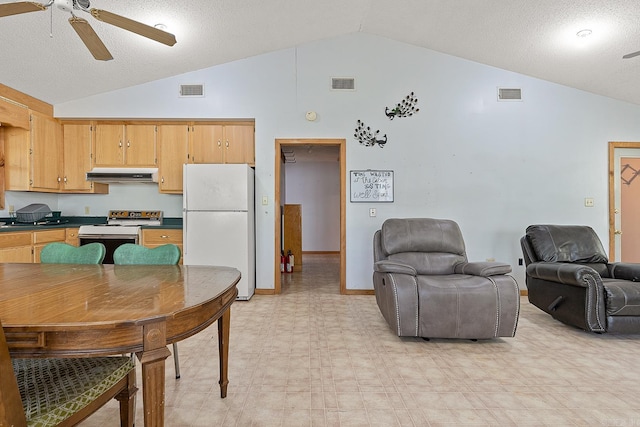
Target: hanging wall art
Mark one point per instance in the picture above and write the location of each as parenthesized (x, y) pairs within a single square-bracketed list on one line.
[(405, 108), (368, 138)]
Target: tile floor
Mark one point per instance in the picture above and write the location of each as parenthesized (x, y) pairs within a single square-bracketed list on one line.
[(311, 357)]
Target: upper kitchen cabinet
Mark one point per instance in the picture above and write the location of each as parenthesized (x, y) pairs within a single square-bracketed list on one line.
[(46, 153), (77, 143), (118, 145), (17, 162), (222, 143), (172, 155)]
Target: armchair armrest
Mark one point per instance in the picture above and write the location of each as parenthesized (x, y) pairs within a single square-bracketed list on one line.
[(394, 267), (484, 269), (624, 271), (565, 273)]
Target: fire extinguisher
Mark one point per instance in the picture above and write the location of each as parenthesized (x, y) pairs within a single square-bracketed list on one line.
[(288, 268), (282, 261)]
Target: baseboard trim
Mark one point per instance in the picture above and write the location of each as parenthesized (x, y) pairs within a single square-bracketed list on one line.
[(524, 292), (359, 292), (265, 291), (321, 252)]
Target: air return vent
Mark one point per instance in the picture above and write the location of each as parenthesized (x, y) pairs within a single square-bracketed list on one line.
[(192, 90), (509, 94), (343, 83)]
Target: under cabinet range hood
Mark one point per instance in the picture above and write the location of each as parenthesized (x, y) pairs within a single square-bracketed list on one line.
[(123, 175)]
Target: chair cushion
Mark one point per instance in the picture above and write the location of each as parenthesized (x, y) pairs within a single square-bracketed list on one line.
[(566, 243), (622, 297), (421, 235), (52, 390)]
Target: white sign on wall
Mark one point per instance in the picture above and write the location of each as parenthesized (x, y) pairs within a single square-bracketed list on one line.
[(371, 186)]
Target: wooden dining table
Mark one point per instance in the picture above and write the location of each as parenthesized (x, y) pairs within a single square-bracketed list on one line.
[(68, 310)]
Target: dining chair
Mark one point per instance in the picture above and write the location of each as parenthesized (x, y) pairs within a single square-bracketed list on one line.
[(63, 392), (63, 253), (132, 254)]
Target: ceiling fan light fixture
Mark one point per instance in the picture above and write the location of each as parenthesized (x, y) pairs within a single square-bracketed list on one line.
[(584, 33), (161, 27)]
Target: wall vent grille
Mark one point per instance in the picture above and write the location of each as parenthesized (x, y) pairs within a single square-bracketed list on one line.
[(509, 94), (343, 83), (192, 90)]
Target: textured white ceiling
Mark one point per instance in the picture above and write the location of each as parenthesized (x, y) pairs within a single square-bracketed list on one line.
[(536, 38)]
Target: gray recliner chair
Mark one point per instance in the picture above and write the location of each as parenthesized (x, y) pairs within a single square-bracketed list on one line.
[(425, 287), (570, 277)]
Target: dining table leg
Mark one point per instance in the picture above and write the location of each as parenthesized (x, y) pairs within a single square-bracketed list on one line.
[(223, 349), (152, 358)]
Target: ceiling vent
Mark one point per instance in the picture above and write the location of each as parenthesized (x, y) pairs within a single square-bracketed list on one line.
[(509, 94), (192, 90), (343, 83)]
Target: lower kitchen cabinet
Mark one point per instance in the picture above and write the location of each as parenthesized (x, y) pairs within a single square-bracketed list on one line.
[(71, 236), (43, 238), (16, 247), (25, 246), (153, 238)]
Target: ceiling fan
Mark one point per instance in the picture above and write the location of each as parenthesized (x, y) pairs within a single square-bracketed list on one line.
[(631, 55), (82, 27)]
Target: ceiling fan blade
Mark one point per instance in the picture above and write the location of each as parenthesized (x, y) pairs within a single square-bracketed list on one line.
[(134, 26), (8, 9), (631, 55), (90, 39)]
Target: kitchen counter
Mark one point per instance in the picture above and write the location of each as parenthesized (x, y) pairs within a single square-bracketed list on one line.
[(77, 221)]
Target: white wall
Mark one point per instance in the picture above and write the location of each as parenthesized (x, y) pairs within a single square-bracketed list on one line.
[(494, 167), (316, 186)]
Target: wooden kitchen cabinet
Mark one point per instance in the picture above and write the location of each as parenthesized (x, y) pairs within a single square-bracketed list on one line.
[(43, 238), (122, 145), (77, 140), (46, 153), (17, 162), (152, 238), (16, 247), (172, 145), (222, 143), (71, 236)]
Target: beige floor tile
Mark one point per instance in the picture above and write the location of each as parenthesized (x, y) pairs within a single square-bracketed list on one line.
[(313, 357)]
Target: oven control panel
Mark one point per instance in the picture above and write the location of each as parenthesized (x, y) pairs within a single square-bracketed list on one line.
[(135, 218), (139, 215)]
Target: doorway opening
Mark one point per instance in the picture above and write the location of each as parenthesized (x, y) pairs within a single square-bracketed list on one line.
[(282, 147)]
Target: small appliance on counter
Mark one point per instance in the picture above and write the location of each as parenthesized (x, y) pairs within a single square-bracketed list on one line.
[(32, 213)]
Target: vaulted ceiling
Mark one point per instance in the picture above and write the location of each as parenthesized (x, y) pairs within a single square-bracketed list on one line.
[(42, 56)]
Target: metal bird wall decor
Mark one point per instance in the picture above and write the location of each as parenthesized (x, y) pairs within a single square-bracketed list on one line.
[(405, 108), (367, 137)]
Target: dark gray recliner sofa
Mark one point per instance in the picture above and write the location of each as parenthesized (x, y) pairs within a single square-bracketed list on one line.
[(425, 287), (570, 277)]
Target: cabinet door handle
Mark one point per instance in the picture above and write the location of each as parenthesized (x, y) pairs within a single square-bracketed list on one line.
[(128, 143), (227, 143), (164, 236), (120, 144), (219, 143)]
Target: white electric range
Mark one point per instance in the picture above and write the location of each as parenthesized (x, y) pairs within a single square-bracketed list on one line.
[(121, 227)]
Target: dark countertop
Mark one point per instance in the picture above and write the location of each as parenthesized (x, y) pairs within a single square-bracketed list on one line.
[(77, 221)]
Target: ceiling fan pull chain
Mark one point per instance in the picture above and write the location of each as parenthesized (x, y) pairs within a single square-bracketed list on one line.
[(51, 23)]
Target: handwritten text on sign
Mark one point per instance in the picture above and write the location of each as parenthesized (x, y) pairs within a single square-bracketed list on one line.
[(372, 186)]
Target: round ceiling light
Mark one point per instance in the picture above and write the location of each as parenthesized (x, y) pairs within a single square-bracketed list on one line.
[(584, 33)]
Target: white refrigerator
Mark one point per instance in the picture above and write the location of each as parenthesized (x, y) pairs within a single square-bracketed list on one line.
[(219, 220)]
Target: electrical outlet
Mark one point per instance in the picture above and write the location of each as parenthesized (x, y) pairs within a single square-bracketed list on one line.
[(588, 202), (87, 210), (372, 212), (265, 200)]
